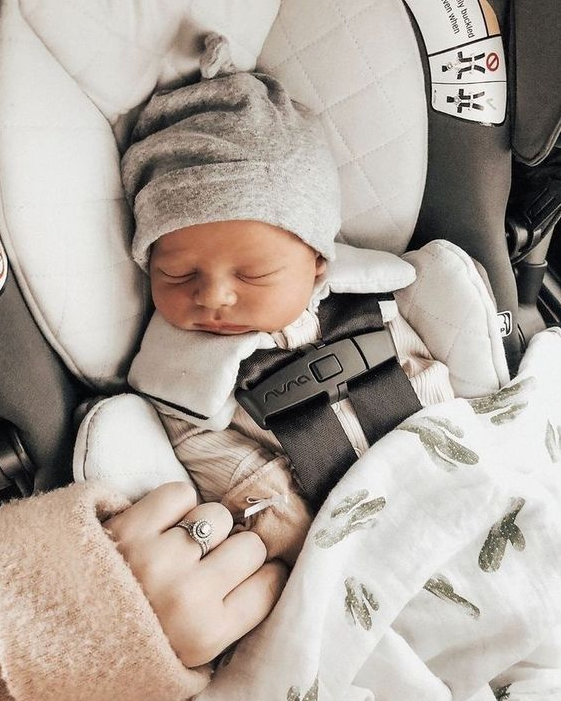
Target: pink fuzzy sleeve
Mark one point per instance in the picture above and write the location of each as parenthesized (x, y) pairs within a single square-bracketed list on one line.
[(74, 623), (4, 694)]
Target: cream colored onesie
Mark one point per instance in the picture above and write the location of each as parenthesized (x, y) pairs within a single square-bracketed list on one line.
[(244, 466)]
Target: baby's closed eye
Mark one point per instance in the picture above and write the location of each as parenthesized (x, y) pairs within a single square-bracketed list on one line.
[(254, 275), (176, 276)]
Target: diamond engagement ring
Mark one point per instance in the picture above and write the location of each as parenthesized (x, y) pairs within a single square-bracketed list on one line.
[(200, 531)]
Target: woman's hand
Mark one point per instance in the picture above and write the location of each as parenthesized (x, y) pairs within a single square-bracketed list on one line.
[(203, 604)]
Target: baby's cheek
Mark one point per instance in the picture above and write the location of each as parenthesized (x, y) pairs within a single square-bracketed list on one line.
[(172, 305), (287, 307)]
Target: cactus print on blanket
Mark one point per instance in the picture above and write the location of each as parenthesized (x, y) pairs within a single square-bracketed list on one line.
[(505, 530), (506, 404), (440, 586), (358, 603), (435, 435), (310, 695), (359, 516), (553, 441)]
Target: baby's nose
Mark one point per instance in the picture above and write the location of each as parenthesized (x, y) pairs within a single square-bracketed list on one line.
[(215, 294)]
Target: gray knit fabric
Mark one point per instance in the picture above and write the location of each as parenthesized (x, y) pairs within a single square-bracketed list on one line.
[(233, 146)]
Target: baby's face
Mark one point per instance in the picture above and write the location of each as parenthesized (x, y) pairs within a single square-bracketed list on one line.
[(232, 277)]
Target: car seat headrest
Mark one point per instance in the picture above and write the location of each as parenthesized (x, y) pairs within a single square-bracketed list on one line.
[(357, 65), (65, 224)]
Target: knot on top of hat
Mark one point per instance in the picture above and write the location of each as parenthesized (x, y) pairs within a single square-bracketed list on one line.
[(216, 59)]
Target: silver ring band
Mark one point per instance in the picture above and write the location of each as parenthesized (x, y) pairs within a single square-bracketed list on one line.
[(200, 531)]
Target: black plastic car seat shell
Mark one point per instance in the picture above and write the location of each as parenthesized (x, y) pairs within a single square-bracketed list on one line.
[(536, 49), (467, 190), (37, 394)]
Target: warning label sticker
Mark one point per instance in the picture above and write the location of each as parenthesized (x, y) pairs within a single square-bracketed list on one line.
[(476, 102), (480, 62), (466, 58), (446, 23)]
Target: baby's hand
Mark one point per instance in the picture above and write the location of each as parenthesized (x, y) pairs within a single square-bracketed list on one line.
[(203, 604), (284, 522)]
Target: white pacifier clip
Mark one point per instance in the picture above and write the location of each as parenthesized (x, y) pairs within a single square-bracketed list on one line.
[(260, 504)]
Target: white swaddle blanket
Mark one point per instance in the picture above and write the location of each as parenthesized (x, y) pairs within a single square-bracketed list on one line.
[(433, 568)]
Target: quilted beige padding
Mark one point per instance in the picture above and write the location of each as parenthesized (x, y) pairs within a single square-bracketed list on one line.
[(63, 219), (356, 63), (450, 308), (118, 51), (69, 68)]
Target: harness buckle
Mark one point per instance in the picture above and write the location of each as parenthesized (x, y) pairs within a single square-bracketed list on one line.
[(319, 369)]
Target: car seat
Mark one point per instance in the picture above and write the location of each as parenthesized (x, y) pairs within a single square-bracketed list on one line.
[(73, 305)]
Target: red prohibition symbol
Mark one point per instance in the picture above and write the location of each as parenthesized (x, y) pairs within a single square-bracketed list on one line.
[(492, 61)]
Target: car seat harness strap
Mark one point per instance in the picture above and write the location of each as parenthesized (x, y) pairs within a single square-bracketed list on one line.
[(290, 391)]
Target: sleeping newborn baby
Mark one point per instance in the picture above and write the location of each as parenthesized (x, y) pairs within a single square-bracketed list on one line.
[(236, 202)]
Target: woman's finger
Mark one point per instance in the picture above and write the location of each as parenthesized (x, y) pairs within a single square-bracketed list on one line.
[(212, 517), (251, 601), (155, 512), (237, 558)]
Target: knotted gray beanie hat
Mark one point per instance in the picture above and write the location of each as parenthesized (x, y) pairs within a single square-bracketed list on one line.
[(232, 146)]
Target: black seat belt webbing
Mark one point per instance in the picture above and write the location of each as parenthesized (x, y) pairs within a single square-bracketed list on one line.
[(290, 392), (310, 433), (365, 315), (317, 446), (383, 397), (393, 402)]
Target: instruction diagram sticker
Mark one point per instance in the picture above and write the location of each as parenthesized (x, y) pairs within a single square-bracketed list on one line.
[(448, 23), (477, 102), (466, 58), (480, 62)]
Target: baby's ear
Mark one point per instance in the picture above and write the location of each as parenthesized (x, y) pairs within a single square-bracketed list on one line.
[(321, 265)]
